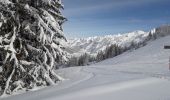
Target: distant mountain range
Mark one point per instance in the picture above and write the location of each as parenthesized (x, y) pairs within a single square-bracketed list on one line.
[(93, 45)]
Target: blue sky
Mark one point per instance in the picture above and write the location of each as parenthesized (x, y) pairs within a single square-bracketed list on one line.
[(101, 17)]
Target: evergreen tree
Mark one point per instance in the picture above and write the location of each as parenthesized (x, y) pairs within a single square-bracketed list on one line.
[(100, 56), (110, 51), (73, 61), (83, 60), (150, 36), (31, 38)]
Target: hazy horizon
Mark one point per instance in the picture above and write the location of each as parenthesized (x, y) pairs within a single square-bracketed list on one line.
[(98, 17)]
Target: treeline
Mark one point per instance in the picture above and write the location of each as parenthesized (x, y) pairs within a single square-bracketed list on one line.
[(115, 50), (110, 52)]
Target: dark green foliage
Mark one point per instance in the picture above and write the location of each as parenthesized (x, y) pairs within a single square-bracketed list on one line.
[(109, 52), (30, 47)]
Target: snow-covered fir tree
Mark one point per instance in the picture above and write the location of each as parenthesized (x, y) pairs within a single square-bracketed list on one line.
[(31, 43)]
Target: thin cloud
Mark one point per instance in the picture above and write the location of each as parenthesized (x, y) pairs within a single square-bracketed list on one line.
[(107, 4), (160, 20)]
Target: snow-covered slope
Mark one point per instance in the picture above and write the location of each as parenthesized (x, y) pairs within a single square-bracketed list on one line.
[(142, 74), (93, 45)]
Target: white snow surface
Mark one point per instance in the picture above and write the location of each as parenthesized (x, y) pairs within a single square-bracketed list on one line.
[(93, 45), (142, 74)]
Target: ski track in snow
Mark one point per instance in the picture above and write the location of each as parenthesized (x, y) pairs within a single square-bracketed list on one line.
[(138, 75), (156, 75)]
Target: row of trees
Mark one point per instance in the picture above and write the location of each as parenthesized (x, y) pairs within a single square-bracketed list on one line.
[(110, 52), (81, 60), (85, 59)]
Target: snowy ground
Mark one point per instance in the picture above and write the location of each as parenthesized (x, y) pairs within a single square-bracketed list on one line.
[(139, 75)]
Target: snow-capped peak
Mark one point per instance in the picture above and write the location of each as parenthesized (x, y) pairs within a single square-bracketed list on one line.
[(93, 45)]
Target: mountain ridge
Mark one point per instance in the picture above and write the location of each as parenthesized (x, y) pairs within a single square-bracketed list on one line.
[(93, 45)]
